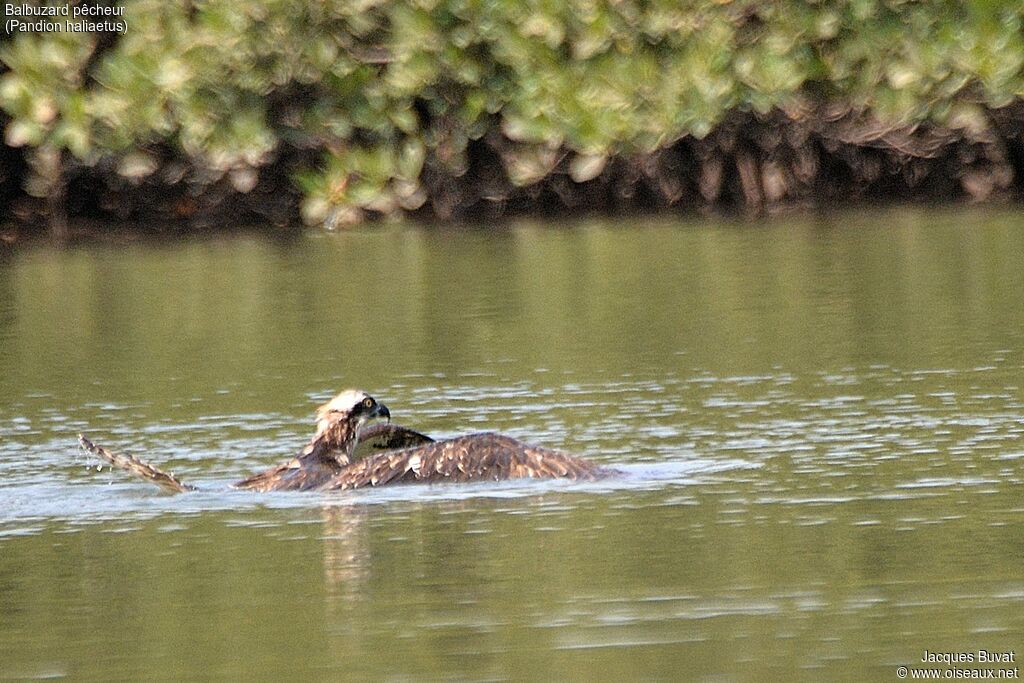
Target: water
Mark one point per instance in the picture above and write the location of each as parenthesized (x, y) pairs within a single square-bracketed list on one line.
[(820, 421)]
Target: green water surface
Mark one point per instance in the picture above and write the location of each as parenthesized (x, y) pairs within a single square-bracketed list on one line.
[(820, 420)]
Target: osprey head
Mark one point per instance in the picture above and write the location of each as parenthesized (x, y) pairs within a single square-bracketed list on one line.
[(352, 406)]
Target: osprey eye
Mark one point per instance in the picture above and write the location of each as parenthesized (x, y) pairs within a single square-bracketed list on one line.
[(368, 402)]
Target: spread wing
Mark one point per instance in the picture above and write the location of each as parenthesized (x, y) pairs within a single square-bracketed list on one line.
[(301, 473), (316, 464), (474, 457)]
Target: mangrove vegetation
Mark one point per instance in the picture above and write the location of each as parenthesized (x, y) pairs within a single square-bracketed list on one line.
[(336, 112)]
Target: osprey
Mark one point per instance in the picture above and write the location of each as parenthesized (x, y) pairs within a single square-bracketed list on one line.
[(344, 453)]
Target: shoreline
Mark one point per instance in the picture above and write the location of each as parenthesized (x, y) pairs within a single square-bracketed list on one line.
[(79, 232)]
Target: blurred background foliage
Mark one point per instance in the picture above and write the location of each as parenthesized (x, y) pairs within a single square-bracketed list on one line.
[(344, 110)]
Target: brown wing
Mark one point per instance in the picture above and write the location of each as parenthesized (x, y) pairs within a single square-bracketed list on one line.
[(475, 457), (311, 468), (298, 474)]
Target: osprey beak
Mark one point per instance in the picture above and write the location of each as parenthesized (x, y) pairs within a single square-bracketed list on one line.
[(382, 411)]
